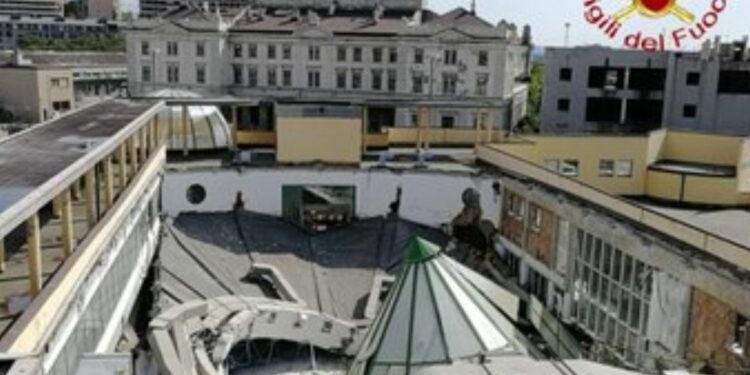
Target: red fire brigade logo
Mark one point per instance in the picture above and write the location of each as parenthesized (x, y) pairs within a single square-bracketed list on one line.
[(656, 9), (695, 23)]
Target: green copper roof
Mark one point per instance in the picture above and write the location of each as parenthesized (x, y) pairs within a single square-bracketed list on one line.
[(421, 250)]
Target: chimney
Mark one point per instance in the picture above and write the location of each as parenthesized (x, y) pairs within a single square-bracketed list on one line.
[(474, 7)]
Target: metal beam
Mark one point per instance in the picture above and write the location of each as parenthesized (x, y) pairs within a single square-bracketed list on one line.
[(34, 251), (68, 239)]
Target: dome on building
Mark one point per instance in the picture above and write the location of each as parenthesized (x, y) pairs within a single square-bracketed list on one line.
[(207, 129), (434, 317)]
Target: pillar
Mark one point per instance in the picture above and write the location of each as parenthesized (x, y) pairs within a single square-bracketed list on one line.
[(365, 118), (477, 130), (184, 130), (109, 190), (56, 206), (34, 251), (66, 217), (2, 254), (91, 197), (426, 124), (132, 156), (123, 172), (234, 123), (142, 155), (75, 190), (490, 125)]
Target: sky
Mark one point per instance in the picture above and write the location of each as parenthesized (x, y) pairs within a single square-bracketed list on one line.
[(548, 17)]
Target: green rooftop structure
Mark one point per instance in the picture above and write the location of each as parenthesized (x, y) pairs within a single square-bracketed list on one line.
[(435, 316)]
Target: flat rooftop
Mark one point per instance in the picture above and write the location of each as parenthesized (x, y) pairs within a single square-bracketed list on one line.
[(31, 158), (729, 223)]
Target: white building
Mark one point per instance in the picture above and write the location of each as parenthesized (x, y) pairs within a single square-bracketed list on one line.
[(598, 89), (359, 53)]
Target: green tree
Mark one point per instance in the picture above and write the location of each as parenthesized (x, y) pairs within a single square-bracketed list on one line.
[(531, 122), (100, 43)]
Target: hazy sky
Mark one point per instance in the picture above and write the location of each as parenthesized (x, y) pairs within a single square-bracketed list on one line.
[(548, 17)]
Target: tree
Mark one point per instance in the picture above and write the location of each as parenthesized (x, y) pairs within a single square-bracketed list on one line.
[(100, 43), (531, 122)]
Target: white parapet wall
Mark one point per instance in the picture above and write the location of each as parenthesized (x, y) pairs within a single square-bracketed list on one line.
[(428, 197)]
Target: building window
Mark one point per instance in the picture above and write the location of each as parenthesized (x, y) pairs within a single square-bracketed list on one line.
[(271, 52), (535, 217), (357, 54), (552, 165), (624, 168), (145, 48), (482, 81), (237, 71), (377, 55), (146, 73), (172, 49), (313, 78), (447, 121), (689, 111), (286, 52), (612, 295), (450, 57), (238, 50), (313, 54), (356, 79), (693, 79), (515, 206), (287, 76), (419, 56), (252, 51), (59, 82), (341, 54), (450, 82), (392, 77), (252, 76), (377, 79), (393, 55), (341, 78), (271, 76), (417, 82), (200, 49), (200, 73), (606, 168), (484, 58), (173, 73), (569, 168), (563, 105), (566, 74)]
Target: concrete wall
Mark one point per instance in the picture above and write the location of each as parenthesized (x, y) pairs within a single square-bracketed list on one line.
[(332, 140), (429, 198), (589, 151), (28, 92), (702, 148)]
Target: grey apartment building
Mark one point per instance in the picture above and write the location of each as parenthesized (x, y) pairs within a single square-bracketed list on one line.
[(394, 51), (601, 90)]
